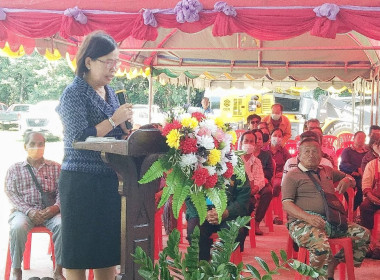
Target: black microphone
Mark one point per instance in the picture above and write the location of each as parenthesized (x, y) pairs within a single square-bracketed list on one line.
[(120, 93)]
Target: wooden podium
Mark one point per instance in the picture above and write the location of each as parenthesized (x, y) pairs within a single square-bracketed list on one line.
[(130, 159)]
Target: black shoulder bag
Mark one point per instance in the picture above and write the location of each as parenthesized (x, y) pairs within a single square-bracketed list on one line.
[(336, 216), (48, 198)]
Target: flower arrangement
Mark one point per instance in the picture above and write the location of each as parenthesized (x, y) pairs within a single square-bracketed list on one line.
[(199, 163)]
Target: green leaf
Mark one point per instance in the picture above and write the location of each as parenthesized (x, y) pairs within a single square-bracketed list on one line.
[(275, 259), (239, 171), (176, 177), (217, 197), (262, 263), (166, 192), (155, 171), (191, 259), (284, 256), (179, 196), (267, 277), (255, 273), (199, 201), (172, 249)]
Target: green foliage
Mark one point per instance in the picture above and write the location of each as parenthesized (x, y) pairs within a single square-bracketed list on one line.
[(199, 201), (173, 265), (32, 78), (218, 197), (166, 96), (154, 172)]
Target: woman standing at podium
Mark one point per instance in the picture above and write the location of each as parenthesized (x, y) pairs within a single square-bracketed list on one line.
[(90, 203)]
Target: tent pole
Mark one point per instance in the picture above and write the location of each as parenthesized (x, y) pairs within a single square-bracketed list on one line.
[(150, 96)]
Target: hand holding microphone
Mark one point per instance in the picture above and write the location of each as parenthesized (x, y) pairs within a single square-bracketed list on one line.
[(125, 110)]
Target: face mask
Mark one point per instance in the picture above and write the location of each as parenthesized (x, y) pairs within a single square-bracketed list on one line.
[(265, 137), (36, 153), (248, 148), (275, 141), (276, 117)]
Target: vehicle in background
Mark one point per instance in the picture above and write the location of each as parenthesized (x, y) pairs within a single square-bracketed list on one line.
[(335, 113), (43, 118), (3, 107), (141, 112), (13, 117)]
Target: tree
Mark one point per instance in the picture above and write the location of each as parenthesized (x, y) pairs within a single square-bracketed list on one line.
[(32, 78), (166, 96)]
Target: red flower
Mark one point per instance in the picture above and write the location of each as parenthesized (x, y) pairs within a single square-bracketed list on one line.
[(216, 143), (174, 125), (199, 116), (230, 171), (188, 145), (211, 181), (200, 176)]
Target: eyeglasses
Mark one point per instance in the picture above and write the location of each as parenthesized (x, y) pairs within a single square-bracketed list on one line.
[(253, 122), (110, 63)]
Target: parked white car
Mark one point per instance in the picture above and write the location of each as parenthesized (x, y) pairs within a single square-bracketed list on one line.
[(43, 118)]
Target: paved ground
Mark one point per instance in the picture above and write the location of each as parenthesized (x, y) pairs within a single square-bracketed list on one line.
[(11, 150)]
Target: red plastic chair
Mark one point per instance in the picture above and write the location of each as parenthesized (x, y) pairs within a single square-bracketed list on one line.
[(252, 234), (345, 137), (346, 144), (335, 244), (330, 141), (27, 252), (292, 147), (236, 257)]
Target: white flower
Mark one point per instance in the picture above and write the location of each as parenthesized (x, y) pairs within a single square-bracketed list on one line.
[(206, 141), (210, 124), (223, 169), (188, 160), (234, 159), (211, 169)]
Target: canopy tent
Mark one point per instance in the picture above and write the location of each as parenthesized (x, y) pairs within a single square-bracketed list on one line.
[(215, 41)]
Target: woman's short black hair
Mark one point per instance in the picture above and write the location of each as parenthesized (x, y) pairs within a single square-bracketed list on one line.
[(247, 132), (95, 45), (258, 130)]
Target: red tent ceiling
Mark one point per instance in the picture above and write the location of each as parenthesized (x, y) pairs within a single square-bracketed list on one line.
[(275, 38)]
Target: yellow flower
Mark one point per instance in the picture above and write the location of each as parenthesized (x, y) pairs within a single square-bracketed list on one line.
[(234, 137), (172, 139), (219, 122), (214, 157), (190, 122)]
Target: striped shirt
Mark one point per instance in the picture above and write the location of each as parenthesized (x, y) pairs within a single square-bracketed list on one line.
[(21, 189), (254, 170)]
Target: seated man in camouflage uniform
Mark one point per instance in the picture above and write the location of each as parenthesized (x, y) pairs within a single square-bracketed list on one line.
[(304, 204)]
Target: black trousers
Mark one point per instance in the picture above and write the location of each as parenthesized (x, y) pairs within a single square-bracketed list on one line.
[(206, 229)]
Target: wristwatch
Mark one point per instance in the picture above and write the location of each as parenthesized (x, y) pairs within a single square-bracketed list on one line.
[(112, 122)]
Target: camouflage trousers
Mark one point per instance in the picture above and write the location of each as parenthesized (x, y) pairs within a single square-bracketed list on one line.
[(316, 241)]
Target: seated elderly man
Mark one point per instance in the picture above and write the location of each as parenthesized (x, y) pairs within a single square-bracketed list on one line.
[(237, 205), (305, 207), (24, 183)]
